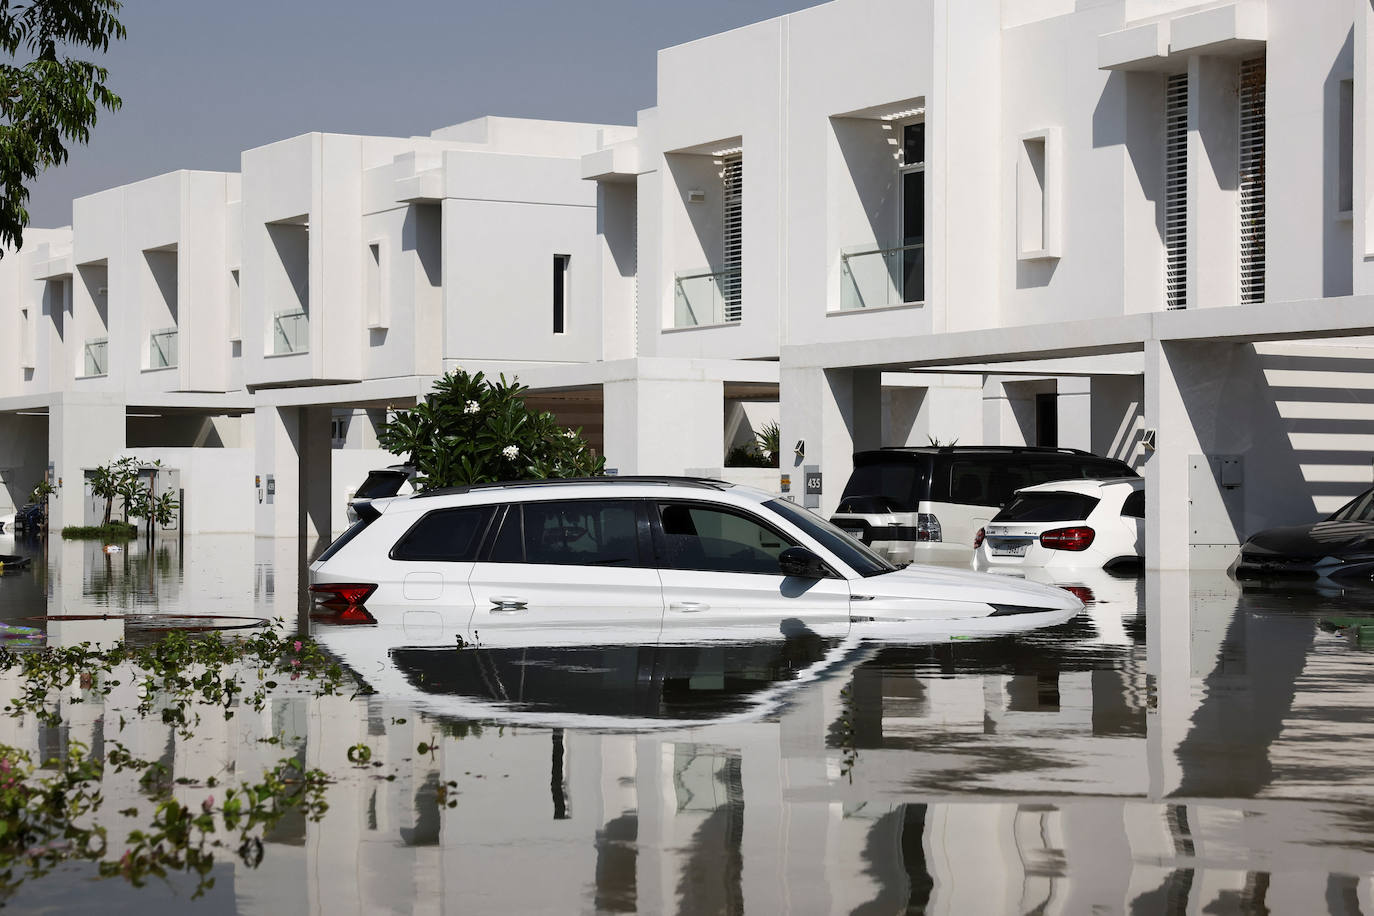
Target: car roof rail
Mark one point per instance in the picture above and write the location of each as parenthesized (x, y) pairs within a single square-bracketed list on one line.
[(703, 483), (992, 449)]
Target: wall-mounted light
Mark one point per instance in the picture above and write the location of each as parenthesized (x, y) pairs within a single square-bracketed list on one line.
[(800, 449), (1149, 439), (695, 195)]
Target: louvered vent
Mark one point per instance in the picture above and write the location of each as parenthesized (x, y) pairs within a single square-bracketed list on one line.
[(1176, 192), (732, 177), (1252, 180)]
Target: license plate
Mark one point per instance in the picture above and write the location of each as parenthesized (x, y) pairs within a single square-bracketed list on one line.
[(1010, 550)]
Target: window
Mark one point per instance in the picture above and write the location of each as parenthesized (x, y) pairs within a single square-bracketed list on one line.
[(446, 535), (912, 171), (560, 291), (859, 557), (732, 178), (1048, 507), (26, 335), (718, 540), (1037, 196), (1345, 148), (1252, 211), (377, 318), (235, 308), (338, 430), (581, 532), (1134, 506), (1176, 191)]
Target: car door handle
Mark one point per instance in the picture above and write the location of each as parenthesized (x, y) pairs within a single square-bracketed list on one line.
[(689, 607), (507, 604)]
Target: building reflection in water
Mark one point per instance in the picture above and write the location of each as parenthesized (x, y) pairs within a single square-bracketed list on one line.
[(1217, 768)]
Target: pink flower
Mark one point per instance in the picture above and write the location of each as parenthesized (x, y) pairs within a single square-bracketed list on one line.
[(295, 675), (296, 645), (295, 663), (208, 805)]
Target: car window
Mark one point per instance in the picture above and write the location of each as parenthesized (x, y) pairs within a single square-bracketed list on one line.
[(574, 532), (450, 535), (899, 483), (969, 483), (859, 556), (1134, 506), (1359, 509), (718, 540), (1048, 507)]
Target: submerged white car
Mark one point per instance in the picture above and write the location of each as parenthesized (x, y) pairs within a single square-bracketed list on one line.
[(647, 560), (1067, 524)]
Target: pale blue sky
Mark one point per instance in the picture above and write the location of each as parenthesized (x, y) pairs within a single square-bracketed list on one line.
[(202, 81)]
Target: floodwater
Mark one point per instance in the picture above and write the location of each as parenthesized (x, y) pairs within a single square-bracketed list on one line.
[(1220, 765)]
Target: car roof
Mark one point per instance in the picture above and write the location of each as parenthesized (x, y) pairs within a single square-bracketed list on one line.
[(578, 488), (1084, 485), (914, 450)]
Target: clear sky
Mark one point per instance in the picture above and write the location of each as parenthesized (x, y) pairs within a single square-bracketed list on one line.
[(202, 81)]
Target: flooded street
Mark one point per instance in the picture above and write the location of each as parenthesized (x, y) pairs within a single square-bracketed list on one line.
[(1218, 765)]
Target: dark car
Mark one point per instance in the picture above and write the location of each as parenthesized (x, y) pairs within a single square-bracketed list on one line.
[(31, 518), (1340, 547)]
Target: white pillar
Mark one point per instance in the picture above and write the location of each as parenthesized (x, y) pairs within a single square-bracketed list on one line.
[(293, 469), (664, 426), (1166, 468), (1075, 407), (85, 430), (833, 413)]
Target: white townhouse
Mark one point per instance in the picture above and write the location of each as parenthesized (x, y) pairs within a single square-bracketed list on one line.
[(1132, 226)]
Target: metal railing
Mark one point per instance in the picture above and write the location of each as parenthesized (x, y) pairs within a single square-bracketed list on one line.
[(706, 298), (162, 348), (876, 277), (97, 357), (290, 332)]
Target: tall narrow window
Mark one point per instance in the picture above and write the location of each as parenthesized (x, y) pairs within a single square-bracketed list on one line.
[(235, 307), (372, 267), (913, 176), (1345, 148), (1252, 180), (26, 335), (732, 178), (1176, 192), (560, 291)]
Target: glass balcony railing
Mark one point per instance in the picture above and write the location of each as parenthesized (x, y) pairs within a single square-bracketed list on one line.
[(97, 357), (162, 348), (290, 332), (876, 277), (706, 298)]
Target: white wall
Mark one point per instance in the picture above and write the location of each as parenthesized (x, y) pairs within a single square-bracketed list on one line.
[(218, 483)]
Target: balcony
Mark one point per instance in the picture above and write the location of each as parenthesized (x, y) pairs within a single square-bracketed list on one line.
[(97, 357), (702, 299), (162, 349), (290, 332), (873, 278)]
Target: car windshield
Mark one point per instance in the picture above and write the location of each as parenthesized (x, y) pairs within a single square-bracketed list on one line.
[(1359, 509), (859, 558), (1047, 507)]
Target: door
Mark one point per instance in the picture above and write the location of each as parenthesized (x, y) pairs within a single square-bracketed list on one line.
[(429, 578), (719, 567), (568, 572)]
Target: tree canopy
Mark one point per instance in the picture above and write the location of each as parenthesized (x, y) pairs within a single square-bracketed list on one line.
[(49, 98), (471, 430)]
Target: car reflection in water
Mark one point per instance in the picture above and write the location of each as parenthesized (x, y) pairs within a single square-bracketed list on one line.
[(613, 678)]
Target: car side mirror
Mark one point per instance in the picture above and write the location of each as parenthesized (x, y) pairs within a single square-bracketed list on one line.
[(800, 562)]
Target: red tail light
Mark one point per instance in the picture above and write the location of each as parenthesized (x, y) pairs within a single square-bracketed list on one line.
[(1081, 592), (341, 594), (1068, 538), (978, 538)]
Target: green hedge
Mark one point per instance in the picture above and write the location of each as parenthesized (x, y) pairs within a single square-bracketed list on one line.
[(114, 531)]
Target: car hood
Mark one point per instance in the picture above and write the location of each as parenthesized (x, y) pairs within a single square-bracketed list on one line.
[(1324, 539), (940, 585)]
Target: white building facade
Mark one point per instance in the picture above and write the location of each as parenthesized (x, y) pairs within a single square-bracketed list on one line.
[(1137, 227)]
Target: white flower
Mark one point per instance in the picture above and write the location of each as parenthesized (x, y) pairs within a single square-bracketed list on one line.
[(511, 451), (472, 407), (570, 433)]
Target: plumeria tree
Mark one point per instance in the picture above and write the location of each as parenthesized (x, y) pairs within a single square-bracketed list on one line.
[(470, 429)]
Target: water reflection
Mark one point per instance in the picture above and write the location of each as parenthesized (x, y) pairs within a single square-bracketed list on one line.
[(1217, 766)]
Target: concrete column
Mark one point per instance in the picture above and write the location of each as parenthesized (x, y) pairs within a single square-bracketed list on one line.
[(293, 456), (1166, 468), (1213, 196), (1168, 661), (834, 413), (85, 430), (1075, 406), (664, 426)]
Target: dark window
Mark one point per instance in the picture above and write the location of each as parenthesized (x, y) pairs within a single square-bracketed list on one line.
[(859, 557), (914, 144), (1048, 507), (897, 482), (718, 540), (969, 483), (446, 535), (1134, 506), (1047, 419), (575, 532), (560, 290)]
